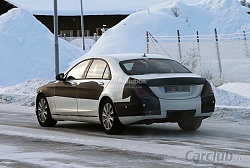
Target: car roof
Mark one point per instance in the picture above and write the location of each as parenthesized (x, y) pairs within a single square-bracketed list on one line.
[(123, 57)]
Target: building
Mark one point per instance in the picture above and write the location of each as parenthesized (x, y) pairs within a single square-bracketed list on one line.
[(97, 13)]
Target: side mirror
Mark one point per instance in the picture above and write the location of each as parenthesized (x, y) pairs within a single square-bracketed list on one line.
[(60, 76)]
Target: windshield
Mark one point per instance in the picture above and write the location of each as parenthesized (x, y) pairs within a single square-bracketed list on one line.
[(152, 66)]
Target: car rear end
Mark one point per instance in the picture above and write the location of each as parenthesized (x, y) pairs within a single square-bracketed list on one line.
[(183, 97), (165, 91)]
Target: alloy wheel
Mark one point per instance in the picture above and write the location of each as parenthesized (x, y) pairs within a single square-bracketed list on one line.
[(108, 116), (42, 110)]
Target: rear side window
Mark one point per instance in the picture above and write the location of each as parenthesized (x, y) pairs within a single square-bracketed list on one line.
[(99, 69), (106, 74), (152, 66)]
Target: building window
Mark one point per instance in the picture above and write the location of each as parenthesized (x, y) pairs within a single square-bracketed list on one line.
[(100, 31), (86, 33), (66, 33)]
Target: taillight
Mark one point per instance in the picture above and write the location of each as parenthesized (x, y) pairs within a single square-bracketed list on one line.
[(143, 91), (207, 88), (207, 98)]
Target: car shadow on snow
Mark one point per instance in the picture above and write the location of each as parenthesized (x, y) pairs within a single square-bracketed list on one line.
[(79, 127), (166, 129), (156, 130)]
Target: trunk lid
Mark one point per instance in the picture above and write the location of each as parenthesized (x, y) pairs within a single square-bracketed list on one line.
[(173, 86)]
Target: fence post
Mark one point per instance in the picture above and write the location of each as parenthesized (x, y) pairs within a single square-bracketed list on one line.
[(147, 42), (95, 37), (197, 36), (247, 50), (198, 45), (218, 55), (179, 44)]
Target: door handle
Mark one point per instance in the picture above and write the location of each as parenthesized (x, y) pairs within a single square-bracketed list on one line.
[(73, 83), (101, 83)]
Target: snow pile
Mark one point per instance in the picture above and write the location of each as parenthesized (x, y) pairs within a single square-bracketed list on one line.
[(238, 88), (228, 98), (23, 93), (27, 49), (87, 42), (129, 35), (232, 103), (232, 114)]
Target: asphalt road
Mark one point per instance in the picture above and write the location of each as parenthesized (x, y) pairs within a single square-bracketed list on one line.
[(23, 143)]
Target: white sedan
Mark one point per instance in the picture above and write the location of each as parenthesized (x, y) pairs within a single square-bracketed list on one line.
[(123, 89)]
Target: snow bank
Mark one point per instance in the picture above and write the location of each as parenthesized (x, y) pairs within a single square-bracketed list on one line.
[(21, 94), (87, 42), (27, 49), (228, 98), (238, 88), (129, 35)]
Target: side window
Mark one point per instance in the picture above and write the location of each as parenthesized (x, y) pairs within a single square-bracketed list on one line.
[(107, 74), (78, 71), (96, 69)]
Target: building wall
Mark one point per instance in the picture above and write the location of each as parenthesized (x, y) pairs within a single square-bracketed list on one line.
[(71, 25), (92, 24), (5, 7)]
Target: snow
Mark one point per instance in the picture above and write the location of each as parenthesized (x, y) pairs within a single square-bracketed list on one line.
[(23, 93), (27, 49), (88, 43), (36, 158), (238, 88), (152, 144), (227, 16)]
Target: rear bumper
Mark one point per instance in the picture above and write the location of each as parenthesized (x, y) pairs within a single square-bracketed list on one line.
[(165, 111), (187, 108)]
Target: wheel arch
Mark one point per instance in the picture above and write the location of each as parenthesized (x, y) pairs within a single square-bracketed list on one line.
[(101, 101), (117, 126), (38, 95), (41, 93), (100, 104)]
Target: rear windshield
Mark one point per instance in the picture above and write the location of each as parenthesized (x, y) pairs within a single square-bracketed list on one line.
[(152, 66)]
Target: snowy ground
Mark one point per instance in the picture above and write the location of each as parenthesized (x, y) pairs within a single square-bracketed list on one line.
[(23, 143)]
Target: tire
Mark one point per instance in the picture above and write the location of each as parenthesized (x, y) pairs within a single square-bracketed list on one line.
[(43, 112), (108, 118), (191, 124)]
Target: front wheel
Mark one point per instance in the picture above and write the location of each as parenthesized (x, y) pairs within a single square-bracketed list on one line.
[(108, 118), (191, 124), (43, 112)]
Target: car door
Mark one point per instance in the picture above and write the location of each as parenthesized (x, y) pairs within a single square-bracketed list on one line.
[(90, 89), (66, 91)]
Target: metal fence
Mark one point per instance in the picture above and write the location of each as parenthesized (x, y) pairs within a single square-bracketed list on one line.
[(77, 41), (221, 58), (69, 39)]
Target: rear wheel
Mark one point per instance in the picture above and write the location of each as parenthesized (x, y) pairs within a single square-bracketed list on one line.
[(108, 118), (191, 124), (43, 112)]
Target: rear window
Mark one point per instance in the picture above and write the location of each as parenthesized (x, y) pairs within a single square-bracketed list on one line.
[(152, 66)]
